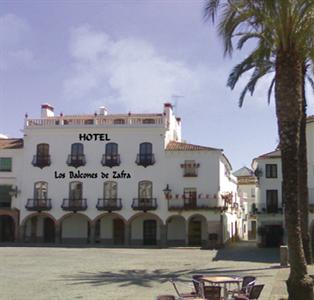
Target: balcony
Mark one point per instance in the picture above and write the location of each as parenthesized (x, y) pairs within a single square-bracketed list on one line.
[(145, 159), (178, 204), (41, 161), (111, 160), (74, 205), (144, 204), (76, 160), (38, 204), (109, 204), (270, 210)]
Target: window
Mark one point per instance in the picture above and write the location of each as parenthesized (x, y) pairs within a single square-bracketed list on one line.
[(145, 189), (5, 164), (253, 192), (189, 196), (42, 157), (146, 156), (271, 171), (77, 149), (41, 190), (77, 157), (111, 157), (110, 190), (5, 197), (272, 201), (190, 168), (76, 190)]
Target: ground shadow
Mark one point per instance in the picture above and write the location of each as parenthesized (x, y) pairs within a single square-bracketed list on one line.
[(242, 252), (145, 278)]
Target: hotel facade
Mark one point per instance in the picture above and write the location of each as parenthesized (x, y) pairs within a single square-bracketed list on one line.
[(115, 179)]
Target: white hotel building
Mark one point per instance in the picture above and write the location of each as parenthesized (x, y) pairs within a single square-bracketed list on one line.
[(122, 179)]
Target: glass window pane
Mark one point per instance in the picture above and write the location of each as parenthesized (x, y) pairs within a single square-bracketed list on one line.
[(5, 164)]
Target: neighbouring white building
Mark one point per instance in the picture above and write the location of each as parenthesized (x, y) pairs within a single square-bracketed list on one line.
[(247, 190), (115, 179), (269, 207)]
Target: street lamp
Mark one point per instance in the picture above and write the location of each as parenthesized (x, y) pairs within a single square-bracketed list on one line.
[(167, 192)]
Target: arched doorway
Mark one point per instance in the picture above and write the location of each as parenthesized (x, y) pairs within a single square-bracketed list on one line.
[(7, 228), (75, 228), (197, 232), (110, 229), (176, 233), (39, 228), (145, 229)]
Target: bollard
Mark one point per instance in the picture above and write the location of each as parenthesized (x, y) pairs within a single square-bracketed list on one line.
[(284, 257)]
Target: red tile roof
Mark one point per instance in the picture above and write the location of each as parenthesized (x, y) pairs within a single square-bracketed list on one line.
[(177, 146), (11, 143)]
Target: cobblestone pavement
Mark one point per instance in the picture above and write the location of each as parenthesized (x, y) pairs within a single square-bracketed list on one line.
[(40, 273)]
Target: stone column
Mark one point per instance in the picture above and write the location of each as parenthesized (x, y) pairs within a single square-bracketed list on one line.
[(163, 236)]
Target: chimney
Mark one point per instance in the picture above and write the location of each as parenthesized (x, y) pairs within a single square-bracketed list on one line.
[(47, 110), (103, 111)]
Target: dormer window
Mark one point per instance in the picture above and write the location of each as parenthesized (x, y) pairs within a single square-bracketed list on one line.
[(77, 157), (190, 168), (145, 157), (42, 157), (111, 158)]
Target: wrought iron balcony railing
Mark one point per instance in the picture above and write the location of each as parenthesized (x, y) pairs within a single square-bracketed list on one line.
[(111, 160), (177, 204), (145, 159), (76, 160), (41, 161), (144, 204), (74, 205), (38, 204), (109, 204)]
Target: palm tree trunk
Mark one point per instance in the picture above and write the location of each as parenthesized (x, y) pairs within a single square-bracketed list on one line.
[(288, 94), (303, 186)]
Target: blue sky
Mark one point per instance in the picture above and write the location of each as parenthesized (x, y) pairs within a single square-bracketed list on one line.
[(131, 56)]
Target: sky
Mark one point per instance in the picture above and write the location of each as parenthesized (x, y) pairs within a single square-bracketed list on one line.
[(131, 56)]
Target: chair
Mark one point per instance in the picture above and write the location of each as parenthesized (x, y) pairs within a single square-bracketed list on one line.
[(211, 292), (247, 283), (183, 295), (166, 297), (197, 284), (253, 295)]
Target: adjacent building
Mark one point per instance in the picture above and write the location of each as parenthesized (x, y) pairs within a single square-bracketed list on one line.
[(270, 208), (115, 179)]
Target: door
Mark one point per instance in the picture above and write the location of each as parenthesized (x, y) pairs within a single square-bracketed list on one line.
[(6, 229), (49, 231), (253, 230), (195, 233), (274, 235), (118, 232), (150, 232)]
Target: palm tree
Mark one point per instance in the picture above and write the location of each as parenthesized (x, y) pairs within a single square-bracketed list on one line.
[(283, 30), (262, 68)]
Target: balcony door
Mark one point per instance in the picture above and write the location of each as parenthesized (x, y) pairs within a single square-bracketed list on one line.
[(150, 232), (145, 192), (76, 190), (272, 201), (190, 197)]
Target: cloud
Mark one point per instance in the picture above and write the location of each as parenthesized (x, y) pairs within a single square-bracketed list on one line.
[(13, 37), (128, 71)]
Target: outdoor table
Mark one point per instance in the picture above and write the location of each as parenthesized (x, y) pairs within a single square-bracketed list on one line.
[(222, 280)]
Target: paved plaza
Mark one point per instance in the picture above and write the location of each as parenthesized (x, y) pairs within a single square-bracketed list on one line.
[(39, 273)]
